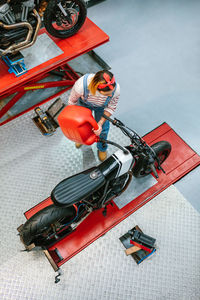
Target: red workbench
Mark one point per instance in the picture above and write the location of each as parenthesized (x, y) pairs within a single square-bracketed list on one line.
[(88, 37)]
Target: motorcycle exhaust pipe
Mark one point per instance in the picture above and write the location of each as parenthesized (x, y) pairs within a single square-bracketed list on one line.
[(39, 22), (27, 42), (14, 47)]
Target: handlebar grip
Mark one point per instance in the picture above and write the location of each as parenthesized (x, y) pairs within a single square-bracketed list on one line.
[(108, 118), (114, 122)]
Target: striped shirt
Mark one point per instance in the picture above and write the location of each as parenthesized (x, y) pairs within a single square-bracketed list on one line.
[(97, 99)]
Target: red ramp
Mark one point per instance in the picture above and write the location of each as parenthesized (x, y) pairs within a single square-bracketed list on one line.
[(181, 161)]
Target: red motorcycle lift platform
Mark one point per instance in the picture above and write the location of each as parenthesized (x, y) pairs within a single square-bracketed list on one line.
[(88, 37), (181, 161)]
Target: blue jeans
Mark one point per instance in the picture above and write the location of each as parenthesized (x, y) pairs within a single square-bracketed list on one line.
[(98, 112)]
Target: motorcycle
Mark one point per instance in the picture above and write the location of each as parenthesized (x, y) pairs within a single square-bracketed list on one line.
[(20, 21), (77, 196)]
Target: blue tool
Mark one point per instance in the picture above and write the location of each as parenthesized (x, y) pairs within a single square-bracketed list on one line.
[(15, 63)]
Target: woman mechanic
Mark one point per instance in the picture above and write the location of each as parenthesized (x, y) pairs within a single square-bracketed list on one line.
[(100, 93)]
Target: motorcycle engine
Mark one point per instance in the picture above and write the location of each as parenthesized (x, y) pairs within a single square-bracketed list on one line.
[(15, 11)]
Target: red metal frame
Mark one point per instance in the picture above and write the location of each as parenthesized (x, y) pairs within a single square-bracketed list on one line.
[(68, 81), (182, 160), (89, 37)]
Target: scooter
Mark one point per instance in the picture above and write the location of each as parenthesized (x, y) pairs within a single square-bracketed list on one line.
[(77, 196)]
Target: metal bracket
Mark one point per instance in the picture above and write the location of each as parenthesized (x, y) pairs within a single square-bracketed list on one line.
[(59, 274)]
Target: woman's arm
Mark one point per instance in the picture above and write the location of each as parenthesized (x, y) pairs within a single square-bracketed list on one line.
[(100, 123), (76, 92)]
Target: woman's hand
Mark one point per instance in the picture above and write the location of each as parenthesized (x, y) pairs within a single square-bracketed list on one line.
[(100, 123), (98, 131)]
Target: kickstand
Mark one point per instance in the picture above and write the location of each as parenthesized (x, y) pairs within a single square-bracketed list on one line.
[(104, 212), (59, 274)]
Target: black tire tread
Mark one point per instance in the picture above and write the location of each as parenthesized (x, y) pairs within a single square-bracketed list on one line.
[(159, 147), (43, 219)]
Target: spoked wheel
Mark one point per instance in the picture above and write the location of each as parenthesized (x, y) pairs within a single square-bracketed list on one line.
[(60, 25), (162, 150), (42, 227)]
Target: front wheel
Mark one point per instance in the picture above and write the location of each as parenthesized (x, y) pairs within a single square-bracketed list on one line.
[(41, 226), (64, 18), (162, 150)]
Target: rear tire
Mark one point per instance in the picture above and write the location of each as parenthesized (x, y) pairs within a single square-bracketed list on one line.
[(162, 150), (33, 230), (52, 13)]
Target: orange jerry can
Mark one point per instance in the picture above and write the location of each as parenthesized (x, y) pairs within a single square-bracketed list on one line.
[(77, 122)]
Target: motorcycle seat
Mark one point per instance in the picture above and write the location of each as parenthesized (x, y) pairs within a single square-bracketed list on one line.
[(77, 187)]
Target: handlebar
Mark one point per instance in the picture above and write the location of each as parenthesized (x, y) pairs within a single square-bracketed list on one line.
[(134, 137), (115, 122), (138, 141)]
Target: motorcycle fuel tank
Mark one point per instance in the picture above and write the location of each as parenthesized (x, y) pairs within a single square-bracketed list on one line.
[(125, 161), (117, 164)]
